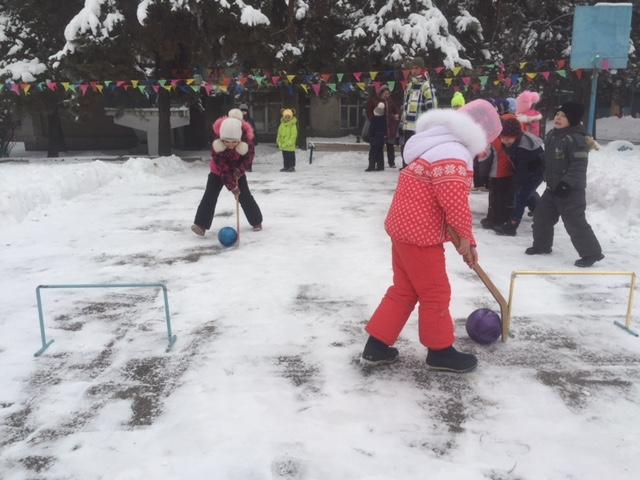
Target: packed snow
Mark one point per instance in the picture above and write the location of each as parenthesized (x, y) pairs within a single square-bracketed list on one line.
[(264, 381)]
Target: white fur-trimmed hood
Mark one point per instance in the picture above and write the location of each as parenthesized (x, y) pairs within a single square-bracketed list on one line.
[(458, 124)]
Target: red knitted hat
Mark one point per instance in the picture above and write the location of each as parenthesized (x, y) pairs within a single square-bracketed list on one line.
[(510, 126)]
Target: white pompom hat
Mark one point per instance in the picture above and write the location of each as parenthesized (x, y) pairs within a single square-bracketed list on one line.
[(379, 110), (231, 129)]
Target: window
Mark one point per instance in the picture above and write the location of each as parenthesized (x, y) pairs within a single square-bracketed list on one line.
[(351, 116), (266, 116)]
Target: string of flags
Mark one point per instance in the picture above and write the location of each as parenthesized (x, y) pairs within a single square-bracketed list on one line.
[(217, 82)]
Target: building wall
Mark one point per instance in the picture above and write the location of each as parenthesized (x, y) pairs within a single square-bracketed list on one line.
[(325, 117)]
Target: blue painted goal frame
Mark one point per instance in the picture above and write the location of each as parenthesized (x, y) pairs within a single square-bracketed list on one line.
[(45, 344)]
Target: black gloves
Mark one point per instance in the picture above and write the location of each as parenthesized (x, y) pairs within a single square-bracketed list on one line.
[(562, 190)]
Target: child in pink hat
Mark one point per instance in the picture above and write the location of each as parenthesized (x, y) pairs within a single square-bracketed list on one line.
[(529, 117)]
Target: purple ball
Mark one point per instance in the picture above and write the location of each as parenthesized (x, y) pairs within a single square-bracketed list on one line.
[(484, 326)]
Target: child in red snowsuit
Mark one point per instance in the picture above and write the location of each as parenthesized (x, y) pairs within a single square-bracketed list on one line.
[(432, 195), (232, 155)]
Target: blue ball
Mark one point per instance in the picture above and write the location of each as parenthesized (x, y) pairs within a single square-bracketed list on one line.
[(227, 236), (484, 326)]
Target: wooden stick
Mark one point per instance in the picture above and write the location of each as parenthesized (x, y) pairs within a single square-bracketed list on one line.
[(238, 219), (504, 305)]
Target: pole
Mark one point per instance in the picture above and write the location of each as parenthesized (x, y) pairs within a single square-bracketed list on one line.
[(592, 100)]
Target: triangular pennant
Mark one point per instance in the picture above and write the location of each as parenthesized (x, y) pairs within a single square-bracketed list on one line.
[(403, 84), (25, 87), (373, 75), (466, 80), (332, 87), (523, 65), (167, 87), (304, 87), (223, 88), (448, 81), (546, 75), (53, 86), (290, 78), (66, 86), (325, 77), (483, 80), (121, 83), (99, 87), (156, 88), (439, 70), (456, 70), (562, 73), (578, 73), (226, 81), (142, 88), (392, 85), (316, 88), (195, 88), (507, 82), (340, 75), (405, 74), (107, 83), (15, 88), (2, 85), (175, 83), (134, 83), (207, 87), (83, 88), (531, 76), (275, 80), (185, 88), (357, 75), (561, 63), (362, 86), (190, 81)]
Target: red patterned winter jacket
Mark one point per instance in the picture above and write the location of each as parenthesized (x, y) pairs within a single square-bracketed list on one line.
[(433, 190)]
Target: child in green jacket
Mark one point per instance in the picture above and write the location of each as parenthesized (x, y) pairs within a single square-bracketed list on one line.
[(287, 137)]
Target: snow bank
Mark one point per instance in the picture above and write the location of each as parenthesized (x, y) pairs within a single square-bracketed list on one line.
[(46, 185)]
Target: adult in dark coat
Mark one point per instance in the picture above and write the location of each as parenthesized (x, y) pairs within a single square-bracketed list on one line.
[(377, 138), (566, 157)]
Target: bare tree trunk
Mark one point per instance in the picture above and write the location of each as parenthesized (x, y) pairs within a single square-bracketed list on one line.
[(164, 123), (55, 135)]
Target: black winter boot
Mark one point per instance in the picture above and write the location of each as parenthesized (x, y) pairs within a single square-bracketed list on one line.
[(506, 229), (451, 360), (537, 251), (378, 353), (588, 261)]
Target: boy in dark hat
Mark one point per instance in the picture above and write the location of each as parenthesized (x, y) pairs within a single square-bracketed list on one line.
[(566, 157)]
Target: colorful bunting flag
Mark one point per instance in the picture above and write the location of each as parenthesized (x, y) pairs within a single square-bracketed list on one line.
[(373, 75), (316, 88), (357, 75)]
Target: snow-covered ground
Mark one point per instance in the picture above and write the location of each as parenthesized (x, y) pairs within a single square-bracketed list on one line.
[(263, 382)]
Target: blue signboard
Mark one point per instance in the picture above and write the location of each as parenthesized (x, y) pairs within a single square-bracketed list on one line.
[(601, 36)]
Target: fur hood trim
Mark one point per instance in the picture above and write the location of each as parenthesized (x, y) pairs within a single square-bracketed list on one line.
[(529, 117), (459, 124)]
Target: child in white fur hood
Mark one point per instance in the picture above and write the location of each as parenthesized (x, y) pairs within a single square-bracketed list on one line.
[(432, 194)]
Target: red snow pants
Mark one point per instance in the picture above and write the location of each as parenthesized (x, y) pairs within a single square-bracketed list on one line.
[(419, 275)]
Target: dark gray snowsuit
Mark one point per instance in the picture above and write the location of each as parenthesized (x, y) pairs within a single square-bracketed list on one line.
[(566, 156)]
